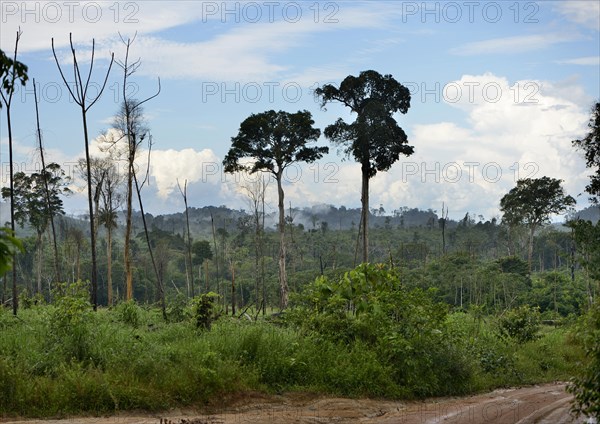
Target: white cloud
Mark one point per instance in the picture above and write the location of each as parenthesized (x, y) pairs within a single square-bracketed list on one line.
[(584, 61), (169, 166), (582, 12), (40, 21), (512, 45), (244, 52), (468, 167)]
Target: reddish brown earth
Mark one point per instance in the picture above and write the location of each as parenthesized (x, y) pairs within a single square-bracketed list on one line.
[(544, 404)]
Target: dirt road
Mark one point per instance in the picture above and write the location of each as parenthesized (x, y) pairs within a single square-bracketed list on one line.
[(545, 404)]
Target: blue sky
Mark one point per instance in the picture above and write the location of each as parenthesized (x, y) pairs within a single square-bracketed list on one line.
[(499, 89)]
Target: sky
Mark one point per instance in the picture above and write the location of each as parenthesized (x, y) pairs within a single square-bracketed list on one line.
[(498, 92)]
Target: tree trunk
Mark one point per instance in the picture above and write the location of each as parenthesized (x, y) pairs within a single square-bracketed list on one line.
[(15, 302), (283, 285), (78, 262), (94, 289), (40, 256), (212, 223), (128, 225), (257, 256), (262, 253), (530, 249), (159, 283), (365, 214), (46, 188), (109, 262), (189, 238), (187, 276), (206, 275), (232, 289)]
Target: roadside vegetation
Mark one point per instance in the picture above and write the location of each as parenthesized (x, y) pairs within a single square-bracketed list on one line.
[(364, 333)]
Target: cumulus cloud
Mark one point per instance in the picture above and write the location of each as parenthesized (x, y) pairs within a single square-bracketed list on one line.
[(513, 130), (169, 166)]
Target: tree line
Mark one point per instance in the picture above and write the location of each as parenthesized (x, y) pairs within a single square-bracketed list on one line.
[(266, 143)]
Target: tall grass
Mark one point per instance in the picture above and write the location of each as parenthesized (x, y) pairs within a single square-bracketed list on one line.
[(128, 358)]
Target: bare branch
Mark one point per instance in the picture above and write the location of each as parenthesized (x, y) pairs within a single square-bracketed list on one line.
[(87, 82), (112, 59), (77, 74), (75, 98), (147, 176), (184, 191), (151, 97)]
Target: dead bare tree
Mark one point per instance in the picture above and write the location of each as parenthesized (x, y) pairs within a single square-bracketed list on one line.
[(57, 273), (157, 272), (109, 195), (443, 220), (255, 193), (131, 128), (190, 267), (80, 98)]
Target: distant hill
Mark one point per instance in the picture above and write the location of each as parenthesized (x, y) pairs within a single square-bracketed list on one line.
[(314, 217), (591, 213)]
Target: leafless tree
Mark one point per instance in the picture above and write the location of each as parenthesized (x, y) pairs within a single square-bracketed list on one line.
[(80, 98), (189, 265), (130, 123), (255, 190), (57, 273)]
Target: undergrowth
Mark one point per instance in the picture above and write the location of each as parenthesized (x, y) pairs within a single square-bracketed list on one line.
[(63, 359)]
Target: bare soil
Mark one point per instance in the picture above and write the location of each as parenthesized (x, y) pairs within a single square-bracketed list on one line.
[(544, 404)]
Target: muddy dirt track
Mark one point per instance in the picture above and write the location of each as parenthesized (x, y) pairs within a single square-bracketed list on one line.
[(544, 404)]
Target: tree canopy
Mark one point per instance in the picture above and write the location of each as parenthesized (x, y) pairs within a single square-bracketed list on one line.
[(590, 144), (11, 70), (534, 200), (31, 204), (273, 140), (374, 139)]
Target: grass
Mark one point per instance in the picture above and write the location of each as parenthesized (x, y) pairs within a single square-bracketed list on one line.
[(113, 362)]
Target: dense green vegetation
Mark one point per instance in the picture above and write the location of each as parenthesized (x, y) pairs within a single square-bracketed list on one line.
[(362, 334), (443, 308)]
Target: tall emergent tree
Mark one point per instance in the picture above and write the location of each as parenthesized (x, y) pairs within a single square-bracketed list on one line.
[(11, 71), (273, 141), (532, 202), (374, 139), (80, 96)]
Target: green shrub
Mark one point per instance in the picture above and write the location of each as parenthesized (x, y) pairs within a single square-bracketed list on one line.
[(176, 308), (69, 322), (129, 313), (203, 310), (586, 387), (9, 381), (406, 328), (521, 324), (26, 300)]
